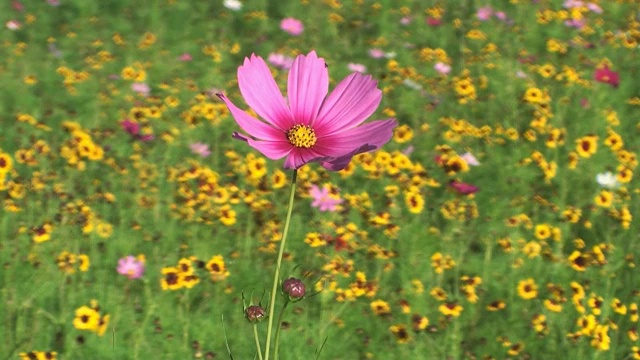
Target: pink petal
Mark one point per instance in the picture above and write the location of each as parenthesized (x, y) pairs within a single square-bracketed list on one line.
[(375, 134), (354, 99), (273, 150), (262, 94), (307, 87), (251, 125), (300, 156)]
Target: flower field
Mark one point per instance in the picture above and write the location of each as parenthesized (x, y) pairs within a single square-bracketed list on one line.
[(452, 180)]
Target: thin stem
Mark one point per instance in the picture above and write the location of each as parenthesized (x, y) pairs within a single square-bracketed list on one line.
[(257, 340), (277, 339), (276, 276)]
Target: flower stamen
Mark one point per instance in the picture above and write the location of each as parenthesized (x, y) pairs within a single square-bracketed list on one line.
[(302, 136)]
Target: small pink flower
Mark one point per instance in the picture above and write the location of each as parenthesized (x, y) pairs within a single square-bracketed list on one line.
[(323, 200), (311, 125), (292, 26), (607, 76), (13, 25), (131, 267), (595, 8), (575, 23), (484, 13), (376, 53), (201, 149), (53, 2), (500, 15), (442, 68), (141, 88), (584, 103), (406, 20), (357, 68), (463, 188), (185, 57), (280, 61), (17, 6), (470, 159), (133, 129), (433, 22)]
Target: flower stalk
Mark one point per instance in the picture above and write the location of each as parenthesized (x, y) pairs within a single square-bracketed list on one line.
[(276, 275)]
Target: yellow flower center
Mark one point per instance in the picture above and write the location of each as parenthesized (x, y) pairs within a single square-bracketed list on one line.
[(302, 136)]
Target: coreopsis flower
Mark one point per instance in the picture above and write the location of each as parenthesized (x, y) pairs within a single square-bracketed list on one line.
[(312, 127)]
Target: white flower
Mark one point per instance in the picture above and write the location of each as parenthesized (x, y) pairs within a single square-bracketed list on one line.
[(608, 180), (234, 5)]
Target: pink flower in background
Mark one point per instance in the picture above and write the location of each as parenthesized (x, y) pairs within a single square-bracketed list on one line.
[(433, 22), (141, 88), (594, 8), (484, 13), (13, 25), (292, 26), (406, 20), (607, 76), (500, 15), (463, 188), (575, 23), (357, 68), (470, 159), (131, 267), (280, 61), (133, 129), (311, 126), (53, 2), (17, 6), (376, 53), (201, 149), (442, 68), (185, 57), (323, 200)]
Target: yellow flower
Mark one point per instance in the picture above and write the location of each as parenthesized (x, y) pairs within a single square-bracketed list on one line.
[(171, 279), (86, 319), (587, 145), (380, 307), (402, 134), (6, 163), (450, 309), (217, 269), (401, 333), (527, 289)]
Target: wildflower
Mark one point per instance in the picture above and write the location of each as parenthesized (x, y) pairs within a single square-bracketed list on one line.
[(419, 322), (13, 25), (141, 88), (607, 76), (357, 68), (217, 269), (484, 13), (323, 200), (185, 57), (292, 26), (234, 5), (587, 145), (442, 68), (527, 289), (280, 61), (130, 267), (401, 333), (463, 188), (380, 307), (86, 318), (608, 180), (470, 159), (201, 149), (312, 128), (450, 309), (133, 129)]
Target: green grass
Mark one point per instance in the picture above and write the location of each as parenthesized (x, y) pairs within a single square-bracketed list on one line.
[(152, 213)]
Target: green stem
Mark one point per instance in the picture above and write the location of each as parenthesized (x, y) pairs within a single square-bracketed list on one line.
[(277, 339), (257, 339), (276, 276)]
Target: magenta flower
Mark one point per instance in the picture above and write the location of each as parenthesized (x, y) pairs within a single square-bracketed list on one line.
[(185, 57), (133, 129), (310, 126), (323, 200), (463, 188), (131, 267), (484, 13), (607, 76), (292, 26)]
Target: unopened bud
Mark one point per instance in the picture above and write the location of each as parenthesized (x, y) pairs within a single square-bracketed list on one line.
[(254, 313), (294, 289)]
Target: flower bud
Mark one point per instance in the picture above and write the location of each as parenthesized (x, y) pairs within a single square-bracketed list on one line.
[(254, 313), (294, 289)]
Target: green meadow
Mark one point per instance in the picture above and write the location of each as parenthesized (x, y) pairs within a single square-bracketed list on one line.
[(499, 222)]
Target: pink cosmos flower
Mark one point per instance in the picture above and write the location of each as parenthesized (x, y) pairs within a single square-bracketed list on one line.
[(500, 15), (406, 20), (292, 26), (310, 126), (376, 53), (185, 57), (141, 88), (484, 13), (323, 200), (607, 76), (470, 159), (131, 267), (133, 129), (442, 68), (463, 188), (13, 25), (281, 61), (201, 149), (357, 68)]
